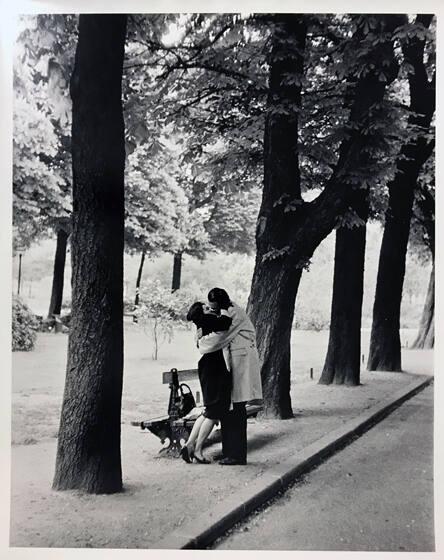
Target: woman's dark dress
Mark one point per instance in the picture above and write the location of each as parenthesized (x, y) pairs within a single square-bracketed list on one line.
[(215, 379)]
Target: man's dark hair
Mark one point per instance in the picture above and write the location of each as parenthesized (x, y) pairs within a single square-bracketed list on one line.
[(195, 312), (219, 296)]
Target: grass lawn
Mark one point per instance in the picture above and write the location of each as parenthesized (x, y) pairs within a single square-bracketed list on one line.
[(38, 376)]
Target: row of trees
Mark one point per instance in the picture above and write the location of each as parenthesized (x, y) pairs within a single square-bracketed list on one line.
[(326, 107), (344, 105)]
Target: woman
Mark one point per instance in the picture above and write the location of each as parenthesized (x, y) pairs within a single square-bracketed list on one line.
[(215, 381)]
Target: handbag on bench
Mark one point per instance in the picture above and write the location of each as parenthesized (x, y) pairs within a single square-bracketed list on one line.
[(186, 400)]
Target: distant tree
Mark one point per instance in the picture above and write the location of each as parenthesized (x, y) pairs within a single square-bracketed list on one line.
[(223, 202), (88, 451), (422, 243), (221, 205), (342, 363), (42, 179), (203, 82), (232, 223), (385, 343), (55, 304), (37, 187), (154, 205), (343, 360), (426, 333)]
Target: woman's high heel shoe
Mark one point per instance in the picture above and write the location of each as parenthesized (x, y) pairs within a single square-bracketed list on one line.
[(186, 455), (202, 461)]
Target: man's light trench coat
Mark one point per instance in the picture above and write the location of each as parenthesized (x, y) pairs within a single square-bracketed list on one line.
[(240, 352)]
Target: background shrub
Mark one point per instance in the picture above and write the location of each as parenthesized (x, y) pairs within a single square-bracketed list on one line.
[(160, 311), (24, 325)]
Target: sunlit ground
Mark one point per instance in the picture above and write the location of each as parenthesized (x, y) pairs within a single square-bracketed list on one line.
[(38, 376)]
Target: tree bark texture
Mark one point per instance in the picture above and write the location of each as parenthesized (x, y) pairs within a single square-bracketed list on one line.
[(426, 334), (139, 278), (342, 363), (289, 229), (177, 272), (88, 452), (385, 342), (275, 284), (55, 305)]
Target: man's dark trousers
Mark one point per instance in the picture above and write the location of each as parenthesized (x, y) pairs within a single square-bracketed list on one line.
[(234, 433)]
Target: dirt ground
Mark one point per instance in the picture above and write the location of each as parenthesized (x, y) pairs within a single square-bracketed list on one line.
[(161, 494), (38, 376)]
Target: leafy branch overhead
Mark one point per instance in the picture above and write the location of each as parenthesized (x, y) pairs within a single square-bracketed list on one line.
[(195, 94)]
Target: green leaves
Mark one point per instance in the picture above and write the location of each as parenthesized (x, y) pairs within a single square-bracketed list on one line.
[(350, 220), (195, 96), (24, 326), (41, 159), (276, 254), (154, 203), (38, 186)]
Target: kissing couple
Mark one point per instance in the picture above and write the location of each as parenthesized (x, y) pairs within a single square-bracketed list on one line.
[(229, 375)]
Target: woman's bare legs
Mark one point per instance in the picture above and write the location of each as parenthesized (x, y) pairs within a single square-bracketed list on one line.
[(191, 441), (205, 428)]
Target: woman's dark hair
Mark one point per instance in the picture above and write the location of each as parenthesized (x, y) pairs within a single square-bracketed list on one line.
[(219, 296), (195, 312)]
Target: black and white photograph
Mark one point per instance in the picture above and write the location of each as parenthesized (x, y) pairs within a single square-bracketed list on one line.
[(220, 303)]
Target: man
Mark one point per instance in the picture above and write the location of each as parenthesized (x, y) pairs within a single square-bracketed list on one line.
[(240, 352)]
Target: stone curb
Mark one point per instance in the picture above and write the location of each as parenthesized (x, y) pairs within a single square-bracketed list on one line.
[(205, 529)]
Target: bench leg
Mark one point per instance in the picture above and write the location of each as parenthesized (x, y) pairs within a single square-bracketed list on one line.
[(172, 437), (160, 429), (173, 443)]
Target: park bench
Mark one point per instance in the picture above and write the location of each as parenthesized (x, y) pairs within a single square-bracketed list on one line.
[(174, 428)]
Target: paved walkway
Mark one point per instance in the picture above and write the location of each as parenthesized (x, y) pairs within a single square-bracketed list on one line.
[(374, 495)]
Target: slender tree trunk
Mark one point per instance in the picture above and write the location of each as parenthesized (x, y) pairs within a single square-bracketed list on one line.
[(155, 339), (177, 271), (426, 334), (88, 453), (342, 364), (288, 229), (385, 342), (55, 305), (19, 281), (139, 278)]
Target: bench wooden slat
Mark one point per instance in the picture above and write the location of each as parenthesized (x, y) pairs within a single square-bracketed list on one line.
[(183, 375), (251, 409)]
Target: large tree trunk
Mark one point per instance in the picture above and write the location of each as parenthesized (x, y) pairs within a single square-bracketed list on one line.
[(385, 343), (289, 230), (88, 453), (342, 364), (426, 334), (274, 287), (55, 305), (139, 278), (177, 271)]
